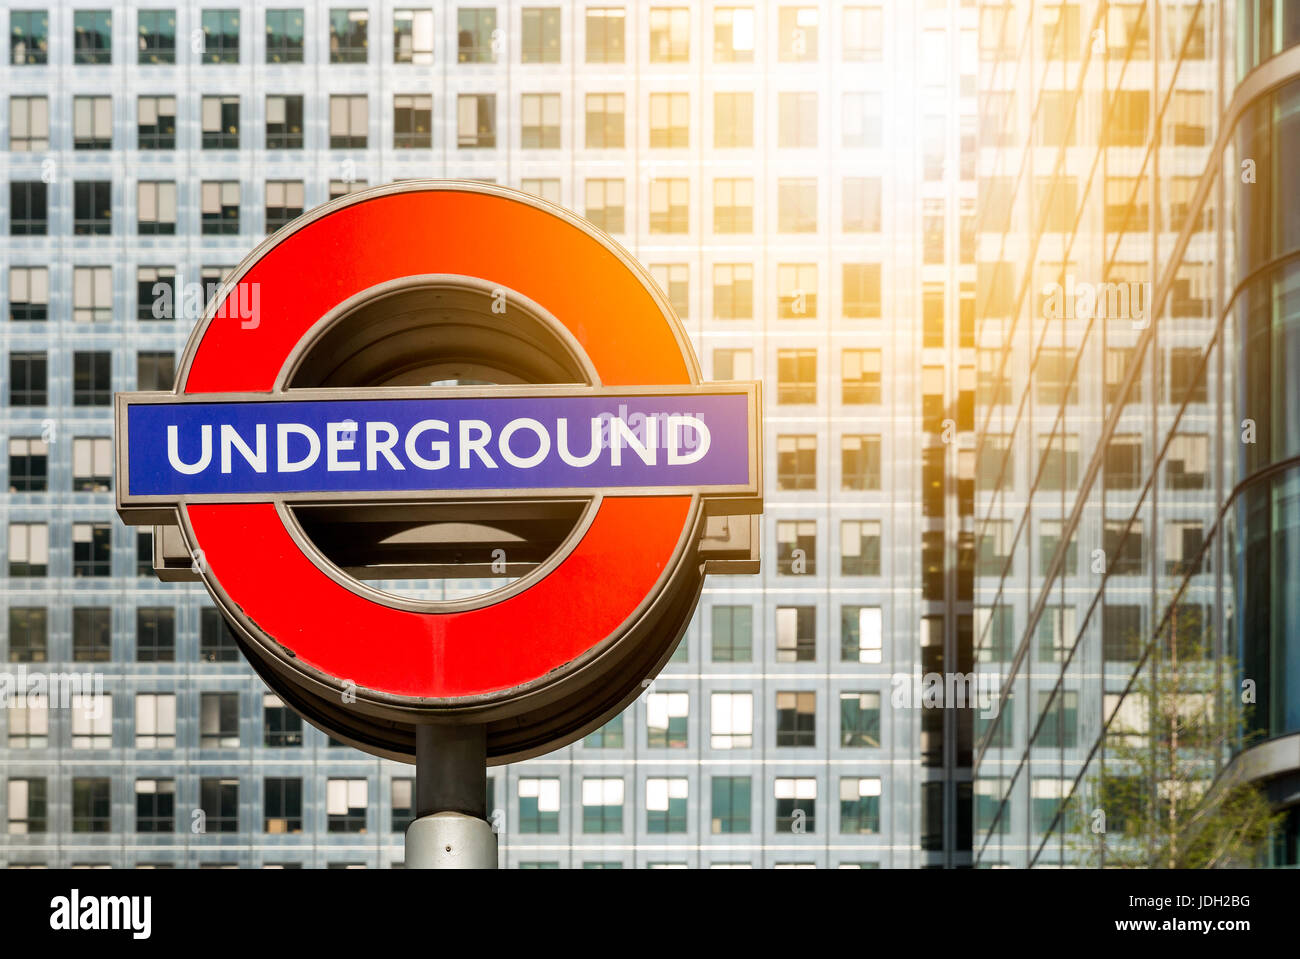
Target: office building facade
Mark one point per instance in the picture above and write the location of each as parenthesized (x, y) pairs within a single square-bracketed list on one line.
[(1136, 444), (799, 178)]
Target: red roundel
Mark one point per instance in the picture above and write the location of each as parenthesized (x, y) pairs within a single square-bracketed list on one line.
[(289, 598)]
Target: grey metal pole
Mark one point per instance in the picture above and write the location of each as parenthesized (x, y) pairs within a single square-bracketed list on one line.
[(451, 830)]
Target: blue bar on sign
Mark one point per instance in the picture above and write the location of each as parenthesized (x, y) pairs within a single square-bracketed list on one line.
[(277, 447)]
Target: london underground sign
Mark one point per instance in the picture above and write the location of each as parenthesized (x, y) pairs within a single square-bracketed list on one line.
[(446, 380)]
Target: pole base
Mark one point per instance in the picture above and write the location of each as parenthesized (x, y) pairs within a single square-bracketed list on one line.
[(450, 840)]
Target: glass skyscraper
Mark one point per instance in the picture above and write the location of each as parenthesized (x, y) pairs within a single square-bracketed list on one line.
[(1137, 444)]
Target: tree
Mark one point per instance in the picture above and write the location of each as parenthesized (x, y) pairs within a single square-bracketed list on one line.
[(1161, 799)]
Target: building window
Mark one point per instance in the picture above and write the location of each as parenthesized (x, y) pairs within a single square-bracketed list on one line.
[(283, 802), (1049, 539), (28, 626), (665, 804), (412, 122), (92, 464), (29, 725), (730, 804), (796, 805), (539, 805), (797, 205), (863, 28), (1124, 462), (155, 208), (157, 36), (1187, 463), (605, 204), (349, 121), (156, 123), (860, 547), (28, 464), (155, 805), (29, 293), (345, 805), (670, 34), (602, 805), (340, 188), (1060, 458), (92, 805), (475, 33), (545, 188), (91, 549), (669, 204), (605, 34), (216, 641), (29, 124), (796, 719), (413, 36), (861, 377), (796, 376), (608, 736), (733, 634), (861, 291), (674, 280), (859, 806), (28, 809), (605, 121), (28, 208), (156, 293), (284, 203), (861, 205), (284, 36), (733, 120), (861, 634), (797, 34), (402, 804), (92, 294), (1122, 542), (284, 123), (219, 720), (796, 634), (476, 121), (144, 553), (1059, 722), (733, 35), (733, 364), (796, 287), (796, 462), (92, 722), (731, 720), (1182, 547), (796, 547), (863, 127), (540, 128), (733, 205), (29, 37), (92, 634), (733, 292), (859, 720), (541, 35), (1126, 118), (1122, 632), (155, 370), (667, 715), (670, 119), (92, 123), (92, 37), (281, 726), (155, 721), (28, 382), (993, 551), (797, 120), (220, 36), (860, 462), (220, 207), (349, 31), (155, 635)]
